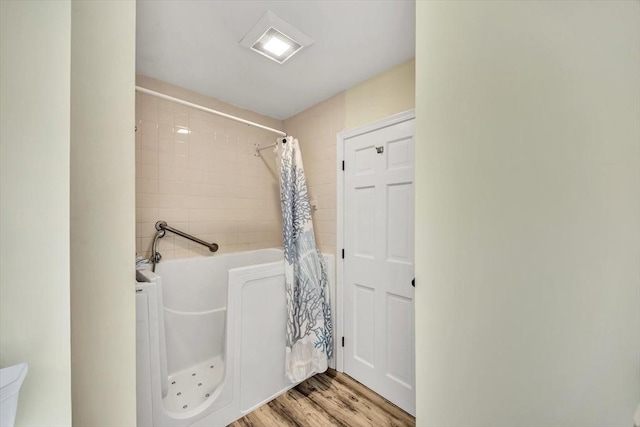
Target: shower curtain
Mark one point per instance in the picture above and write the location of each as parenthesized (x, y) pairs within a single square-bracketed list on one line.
[(309, 329)]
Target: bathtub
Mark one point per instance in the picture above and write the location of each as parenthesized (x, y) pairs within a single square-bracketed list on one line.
[(211, 338)]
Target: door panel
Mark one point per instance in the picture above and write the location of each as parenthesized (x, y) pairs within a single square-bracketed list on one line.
[(365, 222), (379, 259), (399, 338), (400, 154), (399, 204), (364, 316)]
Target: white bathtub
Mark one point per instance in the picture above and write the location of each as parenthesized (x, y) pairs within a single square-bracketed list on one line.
[(211, 338)]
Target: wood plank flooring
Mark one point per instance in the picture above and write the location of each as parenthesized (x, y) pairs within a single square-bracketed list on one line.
[(328, 399)]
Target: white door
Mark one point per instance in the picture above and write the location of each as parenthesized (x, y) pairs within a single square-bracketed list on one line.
[(378, 262)]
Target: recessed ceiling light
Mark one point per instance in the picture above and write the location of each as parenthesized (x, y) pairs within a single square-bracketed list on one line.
[(275, 38), (276, 46)]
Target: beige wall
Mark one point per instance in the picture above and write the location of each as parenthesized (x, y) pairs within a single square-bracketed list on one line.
[(382, 96), (34, 205), (38, 67), (208, 182), (102, 214), (527, 265), (388, 93)]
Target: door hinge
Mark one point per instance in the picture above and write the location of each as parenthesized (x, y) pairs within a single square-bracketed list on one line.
[(343, 341), (343, 254), (343, 165)]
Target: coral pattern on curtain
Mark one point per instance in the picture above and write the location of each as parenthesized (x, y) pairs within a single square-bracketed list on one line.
[(309, 329)]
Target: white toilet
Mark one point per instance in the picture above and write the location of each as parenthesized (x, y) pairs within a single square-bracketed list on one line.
[(11, 379)]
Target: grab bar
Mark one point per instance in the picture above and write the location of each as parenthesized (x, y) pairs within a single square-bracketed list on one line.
[(162, 225), (162, 228)]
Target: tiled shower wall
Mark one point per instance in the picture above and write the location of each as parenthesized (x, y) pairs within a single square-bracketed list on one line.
[(209, 183), (198, 172)]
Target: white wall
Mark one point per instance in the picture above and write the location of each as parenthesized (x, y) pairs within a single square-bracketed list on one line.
[(34, 205), (103, 213), (528, 213)]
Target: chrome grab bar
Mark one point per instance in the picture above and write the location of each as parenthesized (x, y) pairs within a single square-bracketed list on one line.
[(162, 228)]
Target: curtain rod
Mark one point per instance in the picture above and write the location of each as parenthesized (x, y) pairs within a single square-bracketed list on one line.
[(208, 110)]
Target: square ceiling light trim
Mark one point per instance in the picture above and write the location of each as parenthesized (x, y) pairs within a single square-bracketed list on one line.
[(275, 38)]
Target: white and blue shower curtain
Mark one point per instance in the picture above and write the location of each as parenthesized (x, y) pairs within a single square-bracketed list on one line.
[(309, 329)]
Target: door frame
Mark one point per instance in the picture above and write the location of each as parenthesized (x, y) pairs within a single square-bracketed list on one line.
[(341, 140)]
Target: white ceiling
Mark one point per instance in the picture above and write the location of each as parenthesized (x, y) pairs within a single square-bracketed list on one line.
[(195, 45)]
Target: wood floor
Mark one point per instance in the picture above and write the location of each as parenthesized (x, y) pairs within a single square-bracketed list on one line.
[(328, 399)]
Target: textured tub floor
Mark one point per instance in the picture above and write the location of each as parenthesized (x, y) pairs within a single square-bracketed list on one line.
[(190, 388)]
